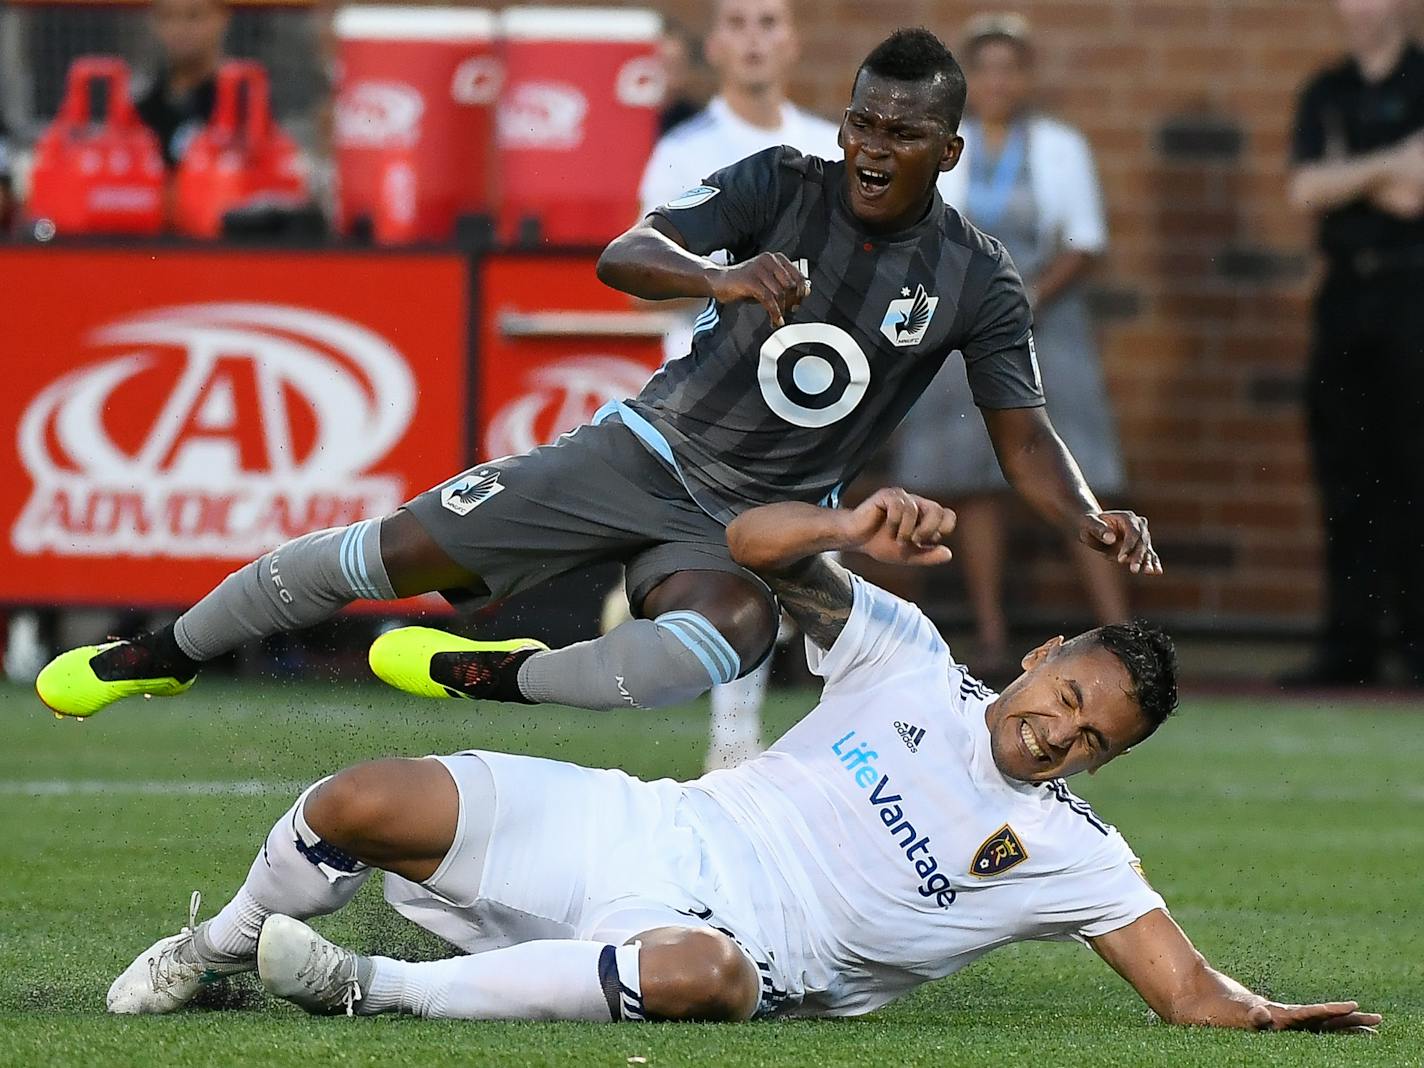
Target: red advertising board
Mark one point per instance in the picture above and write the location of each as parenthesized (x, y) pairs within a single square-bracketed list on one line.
[(169, 415), (555, 345)]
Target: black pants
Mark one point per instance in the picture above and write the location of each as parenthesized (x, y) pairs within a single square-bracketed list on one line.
[(1365, 401)]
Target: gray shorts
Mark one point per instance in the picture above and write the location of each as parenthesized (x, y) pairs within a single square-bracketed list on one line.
[(595, 495)]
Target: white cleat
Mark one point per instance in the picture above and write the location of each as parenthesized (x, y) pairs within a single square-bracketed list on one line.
[(166, 976), (296, 963)]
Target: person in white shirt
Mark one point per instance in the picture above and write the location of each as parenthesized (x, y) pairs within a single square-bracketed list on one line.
[(753, 48), (1029, 180), (911, 823)]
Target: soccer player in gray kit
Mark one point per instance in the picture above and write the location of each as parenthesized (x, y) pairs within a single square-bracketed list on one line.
[(850, 283)]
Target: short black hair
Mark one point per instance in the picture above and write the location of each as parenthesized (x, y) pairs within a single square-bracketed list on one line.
[(1151, 662), (917, 55)]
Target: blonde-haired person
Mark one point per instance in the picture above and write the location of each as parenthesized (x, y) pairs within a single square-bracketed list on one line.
[(1029, 180)]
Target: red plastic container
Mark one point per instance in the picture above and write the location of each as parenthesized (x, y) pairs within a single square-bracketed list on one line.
[(93, 177), (576, 120), (239, 156), (414, 110)]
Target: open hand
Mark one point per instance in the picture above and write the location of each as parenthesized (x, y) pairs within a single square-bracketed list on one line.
[(1123, 535), (1331, 1016), (897, 527), (768, 278)]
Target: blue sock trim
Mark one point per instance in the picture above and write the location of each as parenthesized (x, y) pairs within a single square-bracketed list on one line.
[(702, 640), (349, 541), (713, 636), (353, 559)]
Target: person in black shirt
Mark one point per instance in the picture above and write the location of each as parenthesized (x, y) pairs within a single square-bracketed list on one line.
[(180, 99), (1358, 159)]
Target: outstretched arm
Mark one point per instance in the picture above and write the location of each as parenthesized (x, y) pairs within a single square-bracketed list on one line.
[(1179, 985), (784, 544), (651, 261), (1043, 472)]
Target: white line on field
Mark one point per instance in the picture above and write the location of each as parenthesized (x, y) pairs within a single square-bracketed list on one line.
[(151, 787)]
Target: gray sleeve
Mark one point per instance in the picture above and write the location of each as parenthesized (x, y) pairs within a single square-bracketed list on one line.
[(999, 357), (730, 209)]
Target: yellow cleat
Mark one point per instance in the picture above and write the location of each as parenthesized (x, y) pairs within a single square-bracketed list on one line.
[(70, 688), (432, 663)]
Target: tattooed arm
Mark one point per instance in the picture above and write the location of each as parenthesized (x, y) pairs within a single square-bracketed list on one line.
[(783, 543)]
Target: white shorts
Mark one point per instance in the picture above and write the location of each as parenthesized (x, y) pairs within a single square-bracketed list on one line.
[(574, 852)]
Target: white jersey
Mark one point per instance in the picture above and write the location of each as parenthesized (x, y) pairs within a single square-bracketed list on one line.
[(712, 139), (895, 850)]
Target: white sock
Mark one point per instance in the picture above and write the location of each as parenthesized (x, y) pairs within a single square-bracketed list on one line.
[(313, 880), (554, 979), (736, 712)]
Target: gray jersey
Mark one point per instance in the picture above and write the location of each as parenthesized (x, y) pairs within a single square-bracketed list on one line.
[(754, 414)]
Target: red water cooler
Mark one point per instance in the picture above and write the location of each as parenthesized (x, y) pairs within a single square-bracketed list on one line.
[(414, 105), (93, 177), (576, 120)]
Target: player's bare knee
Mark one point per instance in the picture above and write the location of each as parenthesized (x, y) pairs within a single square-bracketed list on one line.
[(740, 612), (362, 809), (696, 974), (346, 809), (415, 562)]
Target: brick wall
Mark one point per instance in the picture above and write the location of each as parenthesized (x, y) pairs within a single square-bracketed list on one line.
[(1203, 298)]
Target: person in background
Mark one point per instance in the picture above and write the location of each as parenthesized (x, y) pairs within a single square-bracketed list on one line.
[(180, 98), (1358, 158), (681, 54), (1028, 180), (7, 189), (753, 48)]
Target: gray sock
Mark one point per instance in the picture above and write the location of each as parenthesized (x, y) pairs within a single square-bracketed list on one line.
[(297, 584), (644, 663)]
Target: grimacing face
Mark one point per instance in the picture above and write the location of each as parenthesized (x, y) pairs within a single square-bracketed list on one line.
[(1069, 711), (752, 44), (895, 148)]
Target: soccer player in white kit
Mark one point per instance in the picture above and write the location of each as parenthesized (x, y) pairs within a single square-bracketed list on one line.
[(911, 823), (753, 47)]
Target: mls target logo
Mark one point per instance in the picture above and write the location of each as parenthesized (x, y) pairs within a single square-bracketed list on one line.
[(906, 320)]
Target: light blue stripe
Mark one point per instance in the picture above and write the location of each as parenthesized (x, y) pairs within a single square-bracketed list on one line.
[(695, 647), (360, 554), (714, 638), (726, 671), (646, 432), (699, 625), (350, 554), (701, 650), (346, 560), (703, 324)]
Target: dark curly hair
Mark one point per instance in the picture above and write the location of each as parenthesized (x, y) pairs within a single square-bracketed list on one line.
[(1151, 661), (917, 55)]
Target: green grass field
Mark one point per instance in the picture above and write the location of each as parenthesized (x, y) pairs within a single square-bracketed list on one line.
[(1287, 838)]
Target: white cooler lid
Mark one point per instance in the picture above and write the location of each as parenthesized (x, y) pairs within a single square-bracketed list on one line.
[(388, 23), (580, 24)]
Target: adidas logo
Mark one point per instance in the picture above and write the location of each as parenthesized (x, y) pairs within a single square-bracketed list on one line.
[(911, 735)]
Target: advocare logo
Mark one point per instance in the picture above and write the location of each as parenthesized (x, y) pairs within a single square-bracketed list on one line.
[(559, 397), (213, 430)]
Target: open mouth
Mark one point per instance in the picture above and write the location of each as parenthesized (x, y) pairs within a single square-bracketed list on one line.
[(872, 182), (1031, 743)]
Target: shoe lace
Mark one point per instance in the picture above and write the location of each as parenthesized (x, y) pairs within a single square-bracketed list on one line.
[(322, 974), (164, 968)]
